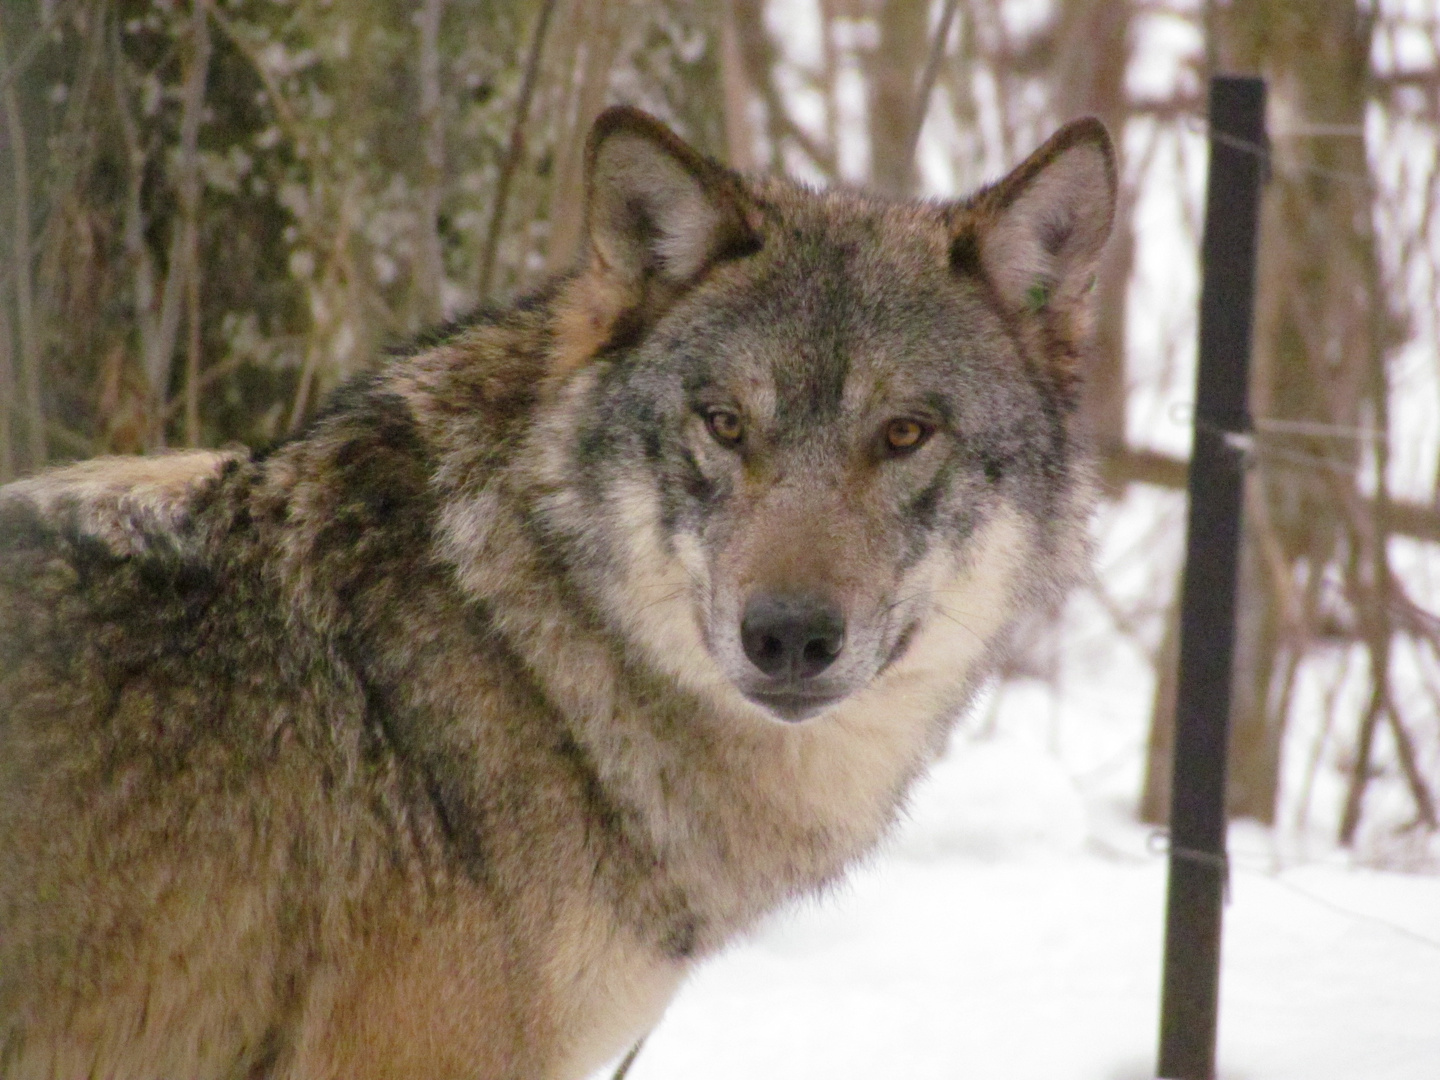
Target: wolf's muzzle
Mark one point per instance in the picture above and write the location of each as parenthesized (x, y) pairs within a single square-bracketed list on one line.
[(791, 639)]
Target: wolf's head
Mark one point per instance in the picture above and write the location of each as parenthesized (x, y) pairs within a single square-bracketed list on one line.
[(807, 444)]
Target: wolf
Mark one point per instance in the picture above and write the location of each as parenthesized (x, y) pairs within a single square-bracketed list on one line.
[(445, 739)]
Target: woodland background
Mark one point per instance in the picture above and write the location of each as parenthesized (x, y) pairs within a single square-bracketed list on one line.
[(212, 212)]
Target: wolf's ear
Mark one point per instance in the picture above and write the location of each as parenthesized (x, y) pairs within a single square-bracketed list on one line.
[(656, 209), (1038, 233)]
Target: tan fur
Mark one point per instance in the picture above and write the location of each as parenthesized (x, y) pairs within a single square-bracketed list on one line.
[(586, 318), (430, 744), (116, 498)]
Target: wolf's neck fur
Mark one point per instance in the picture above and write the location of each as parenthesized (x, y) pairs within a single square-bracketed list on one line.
[(734, 811)]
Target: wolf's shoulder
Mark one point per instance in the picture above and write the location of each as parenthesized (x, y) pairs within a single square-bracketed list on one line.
[(125, 506)]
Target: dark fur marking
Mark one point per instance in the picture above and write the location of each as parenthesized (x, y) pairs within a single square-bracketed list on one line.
[(901, 646), (1054, 235), (696, 484), (921, 509), (603, 816), (594, 443), (382, 473), (459, 825), (679, 941), (348, 398), (626, 333), (941, 406), (669, 914), (965, 253), (266, 1055), (739, 247)]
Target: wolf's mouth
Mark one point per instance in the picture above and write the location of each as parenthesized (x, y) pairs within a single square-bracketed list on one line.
[(793, 707)]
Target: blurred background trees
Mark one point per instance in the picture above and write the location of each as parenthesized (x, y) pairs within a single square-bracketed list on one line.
[(212, 212)]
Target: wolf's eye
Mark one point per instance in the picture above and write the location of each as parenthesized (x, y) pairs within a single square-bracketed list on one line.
[(903, 436), (726, 426)]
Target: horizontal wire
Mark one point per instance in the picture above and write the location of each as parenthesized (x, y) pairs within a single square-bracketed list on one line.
[(1310, 461), (1264, 153), (1251, 447), (1321, 131), (1268, 425), (1261, 428), (1158, 843), (1359, 916)]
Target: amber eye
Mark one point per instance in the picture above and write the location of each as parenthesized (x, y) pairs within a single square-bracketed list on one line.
[(725, 426), (904, 435)]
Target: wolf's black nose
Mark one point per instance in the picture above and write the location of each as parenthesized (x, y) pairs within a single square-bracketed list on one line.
[(791, 637)]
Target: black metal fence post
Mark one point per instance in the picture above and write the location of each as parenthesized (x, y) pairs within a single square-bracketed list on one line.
[(1190, 987)]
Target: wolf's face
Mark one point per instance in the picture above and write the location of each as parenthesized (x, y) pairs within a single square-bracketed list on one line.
[(839, 422)]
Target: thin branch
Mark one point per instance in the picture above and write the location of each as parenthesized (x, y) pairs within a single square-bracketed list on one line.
[(137, 251), (7, 392), (70, 442), (927, 81), (209, 377), (1360, 770), (31, 49), (284, 112), (181, 261), (431, 277), (758, 54), (324, 319), (192, 351), (1137, 465), (1410, 768), (514, 151), (1427, 79)]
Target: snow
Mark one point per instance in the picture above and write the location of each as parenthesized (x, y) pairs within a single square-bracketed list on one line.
[(1012, 928)]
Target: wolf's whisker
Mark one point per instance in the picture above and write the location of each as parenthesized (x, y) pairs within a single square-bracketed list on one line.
[(941, 611), (674, 594)]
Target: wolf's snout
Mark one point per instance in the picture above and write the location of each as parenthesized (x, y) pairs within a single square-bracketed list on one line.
[(791, 638)]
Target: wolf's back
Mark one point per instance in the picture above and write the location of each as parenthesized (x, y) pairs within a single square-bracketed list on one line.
[(151, 822)]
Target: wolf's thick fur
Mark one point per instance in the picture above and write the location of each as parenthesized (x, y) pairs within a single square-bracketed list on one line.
[(442, 741)]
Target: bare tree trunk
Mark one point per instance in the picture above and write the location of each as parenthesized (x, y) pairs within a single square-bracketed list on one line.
[(7, 393), (739, 127), (892, 69), (34, 409), (1320, 353), (757, 55), (514, 150), (1256, 725), (192, 350), (181, 261), (430, 278), (938, 43), (598, 41), (1160, 745), (1092, 48)]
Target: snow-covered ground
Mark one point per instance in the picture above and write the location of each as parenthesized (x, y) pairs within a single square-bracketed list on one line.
[(1013, 930)]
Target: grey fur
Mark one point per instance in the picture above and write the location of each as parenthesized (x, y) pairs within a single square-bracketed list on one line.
[(428, 744)]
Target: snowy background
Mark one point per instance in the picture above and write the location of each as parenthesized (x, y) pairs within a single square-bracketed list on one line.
[(1013, 930)]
